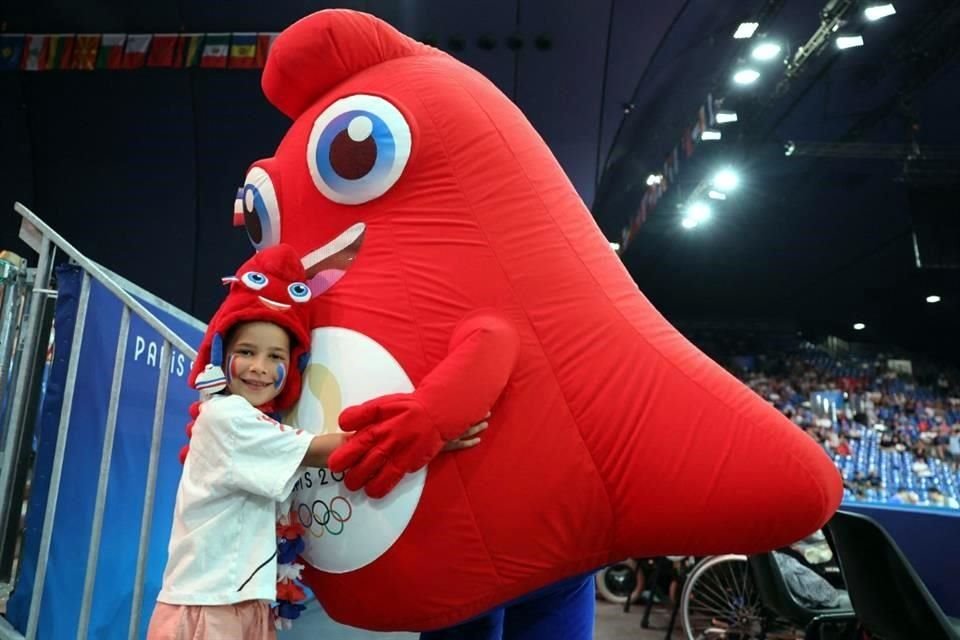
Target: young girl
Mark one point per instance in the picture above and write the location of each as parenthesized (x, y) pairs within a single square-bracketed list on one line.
[(221, 574)]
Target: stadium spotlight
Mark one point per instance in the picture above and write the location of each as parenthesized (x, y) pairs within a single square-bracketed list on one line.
[(859, 326), (698, 212), (726, 180), (877, 11), (746, 77), (934, 299), (746, 30), (766, 51), (849, 42), (723, 117), (711, 134)]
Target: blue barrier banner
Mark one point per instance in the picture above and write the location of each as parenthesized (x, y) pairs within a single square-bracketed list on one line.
[(927, 536), (63, 587)]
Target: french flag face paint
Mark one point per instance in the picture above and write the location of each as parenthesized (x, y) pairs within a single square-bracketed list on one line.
[(232, 366), (281, 377)]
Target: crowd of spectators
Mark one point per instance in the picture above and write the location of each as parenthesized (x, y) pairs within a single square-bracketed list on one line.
[(893, 431)]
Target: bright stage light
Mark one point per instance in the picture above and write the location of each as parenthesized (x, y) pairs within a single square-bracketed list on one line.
[(766, 51), (695, 214), (723, 117), (878, 11), (746, 76), (615, 246), (859, 326), (716, 195), (698, 212), (726, 180), (710, 134), (746, 30), (933, 299), (654, 179), (849, 42)]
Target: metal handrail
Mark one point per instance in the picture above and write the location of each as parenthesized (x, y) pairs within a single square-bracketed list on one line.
[(98, 274)]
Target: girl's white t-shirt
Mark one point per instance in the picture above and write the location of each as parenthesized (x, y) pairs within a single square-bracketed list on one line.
[(223, 546)]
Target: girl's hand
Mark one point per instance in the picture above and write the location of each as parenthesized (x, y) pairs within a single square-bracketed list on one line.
[(468, 438)]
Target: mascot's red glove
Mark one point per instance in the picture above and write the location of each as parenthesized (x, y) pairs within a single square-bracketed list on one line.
[(400, 433)]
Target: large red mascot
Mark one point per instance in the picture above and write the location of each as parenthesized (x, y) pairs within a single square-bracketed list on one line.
[(455, 271)]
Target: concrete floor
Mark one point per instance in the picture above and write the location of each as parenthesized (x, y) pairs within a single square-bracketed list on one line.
[(612, 624)]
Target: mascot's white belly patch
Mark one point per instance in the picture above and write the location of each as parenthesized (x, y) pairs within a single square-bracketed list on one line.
[(347, 530)]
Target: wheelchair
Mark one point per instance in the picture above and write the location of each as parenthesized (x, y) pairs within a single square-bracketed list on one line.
[(736, 597), (720, 600)]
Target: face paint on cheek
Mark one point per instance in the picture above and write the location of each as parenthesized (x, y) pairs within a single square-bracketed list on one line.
[(231, 368), (281, 377)]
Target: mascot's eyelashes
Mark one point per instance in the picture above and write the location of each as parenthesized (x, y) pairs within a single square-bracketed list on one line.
[(358, 149), (261, 212)]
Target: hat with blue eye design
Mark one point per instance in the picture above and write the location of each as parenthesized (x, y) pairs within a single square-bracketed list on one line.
[(269, 287)]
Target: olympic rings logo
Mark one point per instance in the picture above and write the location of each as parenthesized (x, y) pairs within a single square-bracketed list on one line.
[(327, 518)]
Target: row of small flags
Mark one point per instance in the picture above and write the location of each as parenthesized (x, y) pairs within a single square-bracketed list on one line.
[(88, 51), (684, 148)]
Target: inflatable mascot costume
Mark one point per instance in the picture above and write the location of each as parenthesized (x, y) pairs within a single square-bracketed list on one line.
[(455, 271)]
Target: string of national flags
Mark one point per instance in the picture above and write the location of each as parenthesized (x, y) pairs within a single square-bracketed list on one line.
[(689, 139), (89, 51)]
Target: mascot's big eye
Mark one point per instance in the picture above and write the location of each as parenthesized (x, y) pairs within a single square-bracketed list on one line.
[(254, 280), (261, 213), (299, 292), (358, 148)]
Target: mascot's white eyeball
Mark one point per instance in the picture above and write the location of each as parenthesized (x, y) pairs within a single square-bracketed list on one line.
[(299, 292), (358, 148), (261, 212), (254, 280)]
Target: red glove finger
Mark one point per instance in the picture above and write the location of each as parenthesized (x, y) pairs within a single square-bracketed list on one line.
[(351, 451), (359, 416), (360, 473), (384, 482)]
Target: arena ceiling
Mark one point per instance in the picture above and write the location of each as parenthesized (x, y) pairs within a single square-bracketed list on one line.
[(146, 162)]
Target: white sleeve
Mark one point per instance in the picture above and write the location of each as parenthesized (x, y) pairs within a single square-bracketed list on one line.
[(262, 455)]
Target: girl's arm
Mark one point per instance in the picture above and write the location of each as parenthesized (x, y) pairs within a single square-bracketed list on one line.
[(321, 447)]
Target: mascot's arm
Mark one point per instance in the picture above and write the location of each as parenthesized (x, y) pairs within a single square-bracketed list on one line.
[(400, 433)]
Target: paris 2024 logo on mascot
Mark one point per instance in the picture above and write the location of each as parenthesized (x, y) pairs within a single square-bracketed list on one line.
[(455, 271)]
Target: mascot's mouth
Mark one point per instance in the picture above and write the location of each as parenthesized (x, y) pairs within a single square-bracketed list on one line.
[(326, 265), (273, 304)]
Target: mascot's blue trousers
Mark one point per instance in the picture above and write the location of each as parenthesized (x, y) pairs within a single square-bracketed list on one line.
[(562, 610)]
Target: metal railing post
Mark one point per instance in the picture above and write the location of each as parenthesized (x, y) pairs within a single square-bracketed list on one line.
[(150, 492), (99, 505), (50, 515)]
